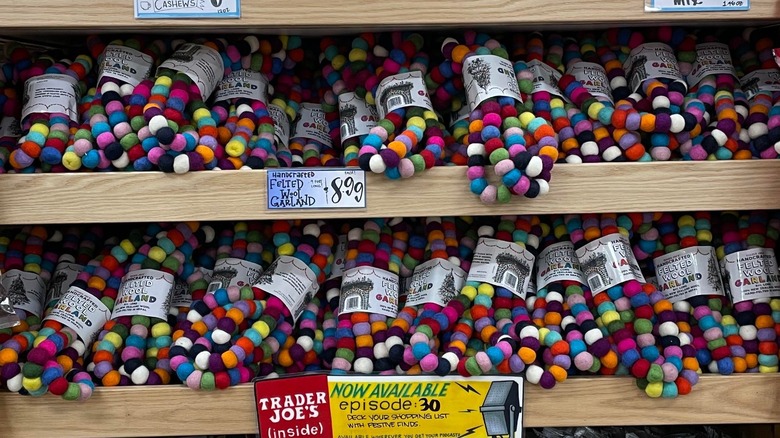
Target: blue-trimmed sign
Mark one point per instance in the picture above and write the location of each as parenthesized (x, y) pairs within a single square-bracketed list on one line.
[(292, 189), (150, 9), (697, 5)]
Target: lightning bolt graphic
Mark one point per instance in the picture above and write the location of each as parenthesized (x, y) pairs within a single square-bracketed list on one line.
[(470, 431), (468, 388), (469, 410)]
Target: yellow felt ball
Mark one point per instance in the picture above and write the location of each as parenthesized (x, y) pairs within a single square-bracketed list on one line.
[(39, 339), (262, 328), (286, 249), (40, 128), (235, 148), (164, 80), (152, 352), (469, 291), (161, 329), (71, 160), (416, 121), (338, 62), (113, 338), (430, 115), (357, 54), (593, 110), (279, 102), (686, 221), (486, 289), (556, 103), (32, 267), (704, 236), (201, 113), (728, 320), (32, 384), (610, 316), (775, 304), (526, 118), (654, 389), (543, 332), (127, 246), (157, 254)]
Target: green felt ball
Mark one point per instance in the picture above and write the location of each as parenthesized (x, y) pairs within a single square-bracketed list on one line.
[(72, 393), (503, 195), (655, 374), (498, 155), (643, 326), (207, 382), (418, 162)]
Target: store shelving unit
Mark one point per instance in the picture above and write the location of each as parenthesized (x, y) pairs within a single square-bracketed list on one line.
[(241, 195)]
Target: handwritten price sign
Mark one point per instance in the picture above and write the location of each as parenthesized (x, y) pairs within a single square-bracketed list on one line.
[(321, 188), (697, 5), (389, 406)]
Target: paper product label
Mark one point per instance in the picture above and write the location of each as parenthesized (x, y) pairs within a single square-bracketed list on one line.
[(243, 84), (311, 123), (82, 312), (486, 76), (181, 295), (401, 91), (51, 93), (751, 274), (688, 272), (281, 124), (234, 272), (201, 63), (9, 127), (545, 77), (356, 116), (696, 5), (320, 188), (652, 61), (462, 114), (125, 64), (26, 290), (765, 80), (207, 273), (155, 9), (711, 59), (369, 289), (609, 261), (594, 78), (339, 258), (558, 262), (292, 281), (145, 292), (530, 290), (503, 264), (64, 274), (435, 281)]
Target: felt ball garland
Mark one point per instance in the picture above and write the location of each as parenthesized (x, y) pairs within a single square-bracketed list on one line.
[(77, 248), (26, 255)]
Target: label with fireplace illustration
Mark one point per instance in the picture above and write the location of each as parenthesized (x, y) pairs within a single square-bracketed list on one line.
[(10, 128), (688, 272), (233, 272), (181, 294), (339, 257), (26, 290), (593, 77), (369, 289), (558, 262), (356, 116), (82, 312), (311, 123), (545, 77), (281, 125), (201, 63), (609, 261), (292, 281), (64, 275), (486, 76), (207, 273), (711, 59), (146, 292), (751, 275), (502, 264), (243, 84), (402, 91), (652, 61), (125, 64), (761, 81), (435, 281), (51, 93)]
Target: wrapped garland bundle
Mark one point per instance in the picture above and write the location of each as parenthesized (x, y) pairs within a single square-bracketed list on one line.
[(78, 247), (24, 279), (284, 108)]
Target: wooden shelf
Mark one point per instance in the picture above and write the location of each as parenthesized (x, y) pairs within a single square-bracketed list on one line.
[(241, 195), (588, 401), (318, 17)]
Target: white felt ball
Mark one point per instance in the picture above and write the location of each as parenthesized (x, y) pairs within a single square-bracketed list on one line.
[(380, 350), (589, 148), (377, 164), (312, 230), (661, 102), (79, 346), (574, 159), (678, 123), (380, 51), (254, 43), (392, 341), (742, 110), (534, 374), (306, 343), (635, 96), (121, 162), (452, 358), (612, 153), (126, 90), (363, 365), (485, 230), (454, 260), (184, 342), (681, 306), (244, 108), (529, 331), (719, 136), (122, 371), (208, 232), (757, 130), (668, 329), (554, 296), (354, 233), (156, 123), (108, 87), (202, 360), (220, 336), (535, 167), (529, 303), (592, 336), (617, 82), (475, 149), (447, 41), (140, 375), (748, 332), (567, 320), (14, 384), (532, 241), (181, 164)]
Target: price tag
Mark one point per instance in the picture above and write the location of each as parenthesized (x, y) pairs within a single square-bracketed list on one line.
[(390, 406), (697, 5), (151, 9), (321, 188)]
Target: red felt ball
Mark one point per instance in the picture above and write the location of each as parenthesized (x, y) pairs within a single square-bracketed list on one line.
[(640, 368), (58, 386), (221, 380)]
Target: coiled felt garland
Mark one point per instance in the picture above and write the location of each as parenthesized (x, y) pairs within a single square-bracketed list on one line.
[(626, 312), (128, 345), (703, 310), (753, 316), (57, 347)]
